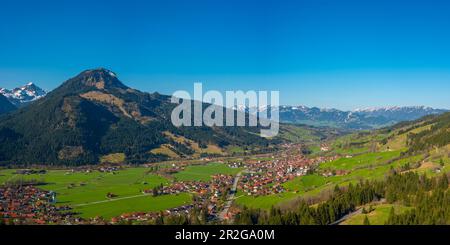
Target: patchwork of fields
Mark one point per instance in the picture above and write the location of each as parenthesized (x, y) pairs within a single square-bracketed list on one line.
[(369, 166), (87, 192)]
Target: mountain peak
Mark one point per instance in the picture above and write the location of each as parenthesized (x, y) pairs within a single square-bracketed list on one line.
[(24, 94), (100, 78), (102, 71)]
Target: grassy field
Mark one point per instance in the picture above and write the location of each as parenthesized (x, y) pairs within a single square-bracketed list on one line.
[(364, 160), (210, 149), (87, 192), (113, 158), (297, 134), (204, 172), (305, 183), (134, 204), (378, 216), (362, 165), (398, 142), (165, 149), (311, 185)]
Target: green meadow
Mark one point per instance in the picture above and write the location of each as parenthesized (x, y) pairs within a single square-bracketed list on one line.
[(87, 192), (144, 203), (312, 185), (378, 216), (360, 161)]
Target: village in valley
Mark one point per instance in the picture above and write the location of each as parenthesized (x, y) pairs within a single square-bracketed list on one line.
[(26, 200)]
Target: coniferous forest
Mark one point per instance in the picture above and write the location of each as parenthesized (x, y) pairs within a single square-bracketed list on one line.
[(429, 198)]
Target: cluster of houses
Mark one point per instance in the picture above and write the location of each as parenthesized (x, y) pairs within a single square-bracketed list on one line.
[(213, 188), (108, 169), (179, 187), (146, 216), (30, 205), (235, 164), (207, 195), (267, 177)]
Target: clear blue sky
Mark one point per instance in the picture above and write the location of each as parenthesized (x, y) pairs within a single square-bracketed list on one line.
[(341, 54)]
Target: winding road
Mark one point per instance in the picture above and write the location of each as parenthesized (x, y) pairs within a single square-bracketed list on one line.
[(230, 198)]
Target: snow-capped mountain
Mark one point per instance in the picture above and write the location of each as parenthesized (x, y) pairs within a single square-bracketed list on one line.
[(369, 118), (23, 95)]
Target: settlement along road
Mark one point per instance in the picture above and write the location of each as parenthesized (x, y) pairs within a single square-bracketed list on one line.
[(230, 198)]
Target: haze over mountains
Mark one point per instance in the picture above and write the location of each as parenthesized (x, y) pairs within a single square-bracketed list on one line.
[(360, 119)]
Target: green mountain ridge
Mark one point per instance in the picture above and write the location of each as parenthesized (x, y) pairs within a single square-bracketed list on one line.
[(5, 105), (94, 114)]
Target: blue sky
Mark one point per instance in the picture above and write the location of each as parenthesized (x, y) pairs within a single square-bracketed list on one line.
[(342, 54)]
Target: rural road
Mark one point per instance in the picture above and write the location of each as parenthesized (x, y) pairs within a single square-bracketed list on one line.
[(230, 197), (359, 211), (109, 200)]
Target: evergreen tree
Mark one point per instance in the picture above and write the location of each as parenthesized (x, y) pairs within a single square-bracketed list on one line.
[(366, 221)]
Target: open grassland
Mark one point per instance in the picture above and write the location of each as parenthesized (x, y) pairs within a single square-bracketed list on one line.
[(398, 142), (143, 203), (165, 149), (209, 149), (204, 172), (361, 161), (313, 185), (297, 134), (87, 192), (378, 216), (305, 182), (113, 158), (371, 156), (235, 149)]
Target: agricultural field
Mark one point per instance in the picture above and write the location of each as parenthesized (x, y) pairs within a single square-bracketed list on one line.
[(293, 133), (113, 158), (361, 161), (358, 163), (398, 142), (313, 185), (204, 172), (140, 203), (305, 183), (87, 192), (378, 216)]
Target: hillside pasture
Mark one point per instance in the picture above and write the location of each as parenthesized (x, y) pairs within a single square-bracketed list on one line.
[(87, 192), (378, 216)]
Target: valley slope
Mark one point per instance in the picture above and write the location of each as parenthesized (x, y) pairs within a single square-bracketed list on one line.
[(94, 116)]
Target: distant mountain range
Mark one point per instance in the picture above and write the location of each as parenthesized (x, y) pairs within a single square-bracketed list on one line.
[(94, 115), (23, 95), (360, 119)]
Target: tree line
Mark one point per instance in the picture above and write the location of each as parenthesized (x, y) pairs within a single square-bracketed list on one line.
[(428, 197)]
